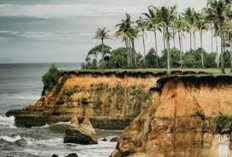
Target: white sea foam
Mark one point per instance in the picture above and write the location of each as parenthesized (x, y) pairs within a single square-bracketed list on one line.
[(7, 121), (10, 139), (55, 124), (102, 149)]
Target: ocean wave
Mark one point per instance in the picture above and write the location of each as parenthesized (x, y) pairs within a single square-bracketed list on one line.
[(11, 139), (7, 121), (52, 125), (13, 95), (9, 32)]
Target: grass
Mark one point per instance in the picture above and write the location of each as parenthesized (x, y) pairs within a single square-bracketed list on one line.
[(158, 70)]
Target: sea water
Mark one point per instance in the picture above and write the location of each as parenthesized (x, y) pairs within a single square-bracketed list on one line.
[(21, 85)]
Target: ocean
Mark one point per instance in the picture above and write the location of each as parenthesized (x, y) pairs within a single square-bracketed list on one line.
[(21, 85)]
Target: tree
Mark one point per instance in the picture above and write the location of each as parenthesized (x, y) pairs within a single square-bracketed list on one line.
[(128, 34), (99, 49), (152, 59), (151, 23), (217, 11), (201, 25), (102, 34), (142, 27), (166, 17), (51, 77), (180, 26), (190, 17)]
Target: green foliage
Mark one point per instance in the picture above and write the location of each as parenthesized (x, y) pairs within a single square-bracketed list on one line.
[(118, 58), (223, 122), (51, 77), (227, 59), (152, 59), (175, 57), (192, 59)]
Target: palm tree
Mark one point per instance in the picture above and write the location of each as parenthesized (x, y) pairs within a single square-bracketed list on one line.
[(142, 27), (151, 22), (128, 33), (166, 17), (217, 12), (190, 18), (102, 34), (99, 49), (180, 26), (228, 32), (201, 25)]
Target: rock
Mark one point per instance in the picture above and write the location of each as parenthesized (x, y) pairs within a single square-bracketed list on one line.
[(72, 155), (21, 142), (74, 120), (114, 139), (54, 155), (104, 139), (80, 133)]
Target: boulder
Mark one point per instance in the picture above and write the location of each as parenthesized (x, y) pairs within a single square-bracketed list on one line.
[(72, 155), (114, 139), (104, 139), (80, 133)]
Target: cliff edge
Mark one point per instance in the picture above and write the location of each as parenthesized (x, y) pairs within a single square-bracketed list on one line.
[(181, 120)]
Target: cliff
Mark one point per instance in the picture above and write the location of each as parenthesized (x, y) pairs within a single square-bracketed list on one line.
[(111, 99), (180, 122)]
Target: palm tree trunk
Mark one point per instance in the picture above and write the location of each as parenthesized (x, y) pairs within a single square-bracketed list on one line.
[(156, 46), (128, 52), (190, 33), (222, 54), (133, 49), (194, 40), (211, 39), (180, 48), (174, 41), (96, 55), (168, 53), (103, 60), (217, 54), (102, 40), (202, 53), (230, 38), (144, 47), (164, 38)]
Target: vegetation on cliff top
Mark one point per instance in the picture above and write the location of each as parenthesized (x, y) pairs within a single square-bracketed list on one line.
[(51, 77), (166, 20), (193, 79)]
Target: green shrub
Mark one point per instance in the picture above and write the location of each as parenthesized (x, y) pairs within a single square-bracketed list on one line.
[(223, 122), (51, 77)]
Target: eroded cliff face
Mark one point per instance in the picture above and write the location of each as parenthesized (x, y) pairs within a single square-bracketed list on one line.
[(180, 120), (111, 101)]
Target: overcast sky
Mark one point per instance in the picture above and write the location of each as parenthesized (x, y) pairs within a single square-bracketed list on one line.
[(63, 30)]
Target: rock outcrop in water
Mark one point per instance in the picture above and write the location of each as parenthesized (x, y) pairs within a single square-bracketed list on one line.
[(180, 122), (80, 133)]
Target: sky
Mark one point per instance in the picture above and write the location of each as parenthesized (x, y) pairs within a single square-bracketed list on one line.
[(39, 31)]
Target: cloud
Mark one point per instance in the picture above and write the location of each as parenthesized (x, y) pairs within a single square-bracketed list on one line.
[(61, 10), (90, 8)]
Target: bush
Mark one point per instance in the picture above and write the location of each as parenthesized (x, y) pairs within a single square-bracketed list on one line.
[(51, 77), (223, 123), (152, 59)]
